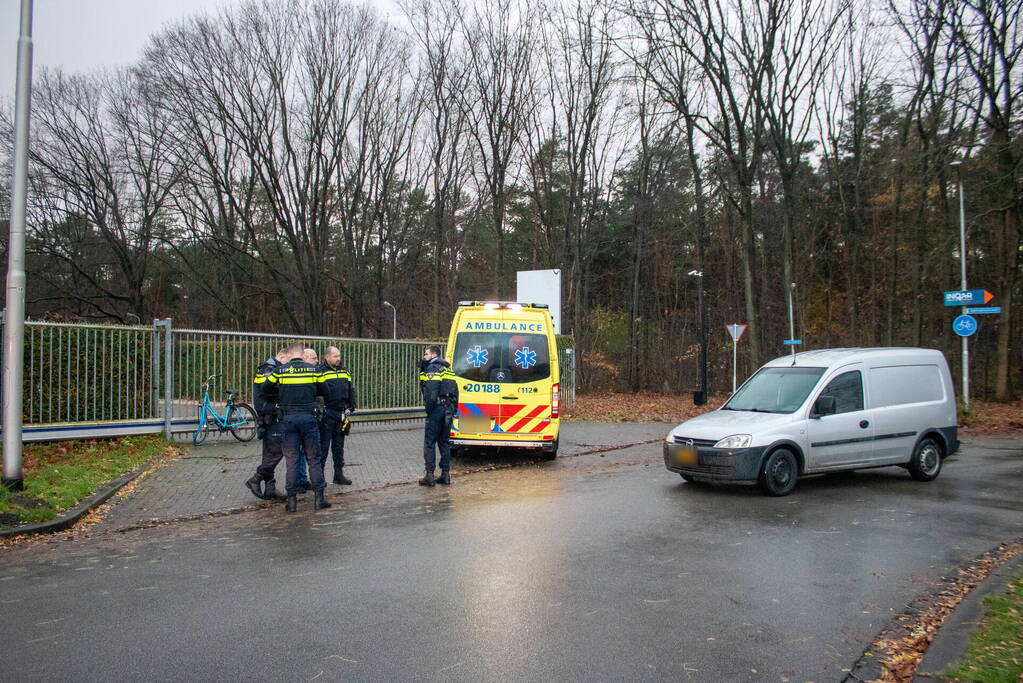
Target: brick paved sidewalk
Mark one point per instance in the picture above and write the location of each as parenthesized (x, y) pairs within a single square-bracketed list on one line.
[(210, 477)]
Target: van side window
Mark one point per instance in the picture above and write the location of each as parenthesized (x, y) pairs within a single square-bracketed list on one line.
[(847, 389), (901, 384)]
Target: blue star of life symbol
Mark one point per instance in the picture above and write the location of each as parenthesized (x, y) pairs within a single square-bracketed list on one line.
[(525, 358), (477, 356)]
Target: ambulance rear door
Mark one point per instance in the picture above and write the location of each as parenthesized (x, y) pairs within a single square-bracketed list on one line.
[(525, 381)]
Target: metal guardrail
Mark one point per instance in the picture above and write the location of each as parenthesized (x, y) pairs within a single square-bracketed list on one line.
[(90, 380)]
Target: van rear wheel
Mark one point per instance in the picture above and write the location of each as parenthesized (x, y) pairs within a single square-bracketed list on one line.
[(779, 473), (552, 453), (926, 462)]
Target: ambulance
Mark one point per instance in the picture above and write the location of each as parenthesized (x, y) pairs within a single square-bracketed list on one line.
[(505, 359)]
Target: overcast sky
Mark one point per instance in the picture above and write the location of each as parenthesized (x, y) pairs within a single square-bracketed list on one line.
[(81, 35)]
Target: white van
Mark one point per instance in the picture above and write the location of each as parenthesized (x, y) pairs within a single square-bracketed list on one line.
[(824, 411)]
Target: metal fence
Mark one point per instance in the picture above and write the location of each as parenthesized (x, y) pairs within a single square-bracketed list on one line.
[(86, 380)]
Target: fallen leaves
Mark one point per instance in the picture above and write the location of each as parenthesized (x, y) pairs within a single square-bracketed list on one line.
[(903, 643), (642, 407)]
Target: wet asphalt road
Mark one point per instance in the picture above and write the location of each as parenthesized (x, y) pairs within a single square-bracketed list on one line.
[(598, 567)]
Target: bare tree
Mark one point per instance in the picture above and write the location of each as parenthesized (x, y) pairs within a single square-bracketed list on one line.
[(731, 43), (500, 44), (582, 62), (803, 47), (435, 25), (101, 184), (989, 38)]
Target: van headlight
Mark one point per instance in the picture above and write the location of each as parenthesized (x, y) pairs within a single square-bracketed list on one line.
[(735, 441)]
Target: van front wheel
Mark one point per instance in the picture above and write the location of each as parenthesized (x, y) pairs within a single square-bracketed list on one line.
[(926, 462), (778, 476)]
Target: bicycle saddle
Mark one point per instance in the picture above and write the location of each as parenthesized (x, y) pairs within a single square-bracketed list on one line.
[(232, 391)]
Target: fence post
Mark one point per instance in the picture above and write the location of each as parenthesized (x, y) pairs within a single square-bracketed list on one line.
[(168, 359)]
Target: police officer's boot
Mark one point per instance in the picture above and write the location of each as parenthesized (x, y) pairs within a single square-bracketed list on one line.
[(253, 483), (444, 478), (340, 478), (428, 480), (319, 502), (292, 504), (271, 492)]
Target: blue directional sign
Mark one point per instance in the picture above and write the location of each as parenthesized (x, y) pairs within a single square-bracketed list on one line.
[(968, 297), (983, 310), (792, 342), (964, 325)]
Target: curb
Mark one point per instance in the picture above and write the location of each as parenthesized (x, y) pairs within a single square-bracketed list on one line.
[(74, 514), (254, 506), (950, 641), (868, 667)]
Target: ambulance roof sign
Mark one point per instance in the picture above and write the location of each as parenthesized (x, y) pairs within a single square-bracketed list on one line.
[(736, 330)]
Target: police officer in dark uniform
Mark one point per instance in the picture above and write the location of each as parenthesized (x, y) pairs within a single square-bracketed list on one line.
[(338, 404), (440, 396), (269, 431), (294, 387)]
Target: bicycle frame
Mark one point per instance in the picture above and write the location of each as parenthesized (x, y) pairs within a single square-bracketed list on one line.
[(208, 409)]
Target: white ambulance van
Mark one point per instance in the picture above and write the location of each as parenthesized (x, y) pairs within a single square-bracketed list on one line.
[(824, 411)]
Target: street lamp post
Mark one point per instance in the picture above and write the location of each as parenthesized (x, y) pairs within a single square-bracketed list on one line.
[(14, 330), (962, 280), (698, 274), (394, 319)]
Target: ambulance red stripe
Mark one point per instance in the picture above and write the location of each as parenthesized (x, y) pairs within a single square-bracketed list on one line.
[(524, 421)]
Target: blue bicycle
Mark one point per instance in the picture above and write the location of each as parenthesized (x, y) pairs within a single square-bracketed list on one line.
[(238, 418)]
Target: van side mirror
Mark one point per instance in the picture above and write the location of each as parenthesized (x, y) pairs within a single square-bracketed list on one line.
[(824, 405)]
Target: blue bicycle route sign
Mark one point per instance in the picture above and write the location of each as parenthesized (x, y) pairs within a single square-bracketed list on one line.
[(964, 325), (968, 297)]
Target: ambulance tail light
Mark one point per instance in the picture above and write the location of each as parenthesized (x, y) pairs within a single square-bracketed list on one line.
[(555, 400)]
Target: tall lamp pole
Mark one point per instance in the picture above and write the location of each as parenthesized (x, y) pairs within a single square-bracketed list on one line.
[(962, 280), (394, 319), (698, 274), (14, 329)]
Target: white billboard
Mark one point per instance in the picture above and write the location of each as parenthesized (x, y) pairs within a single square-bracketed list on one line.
[(541, 287)]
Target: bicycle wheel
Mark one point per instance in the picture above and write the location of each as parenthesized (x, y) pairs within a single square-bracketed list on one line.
[(202, 429), (241, 420)]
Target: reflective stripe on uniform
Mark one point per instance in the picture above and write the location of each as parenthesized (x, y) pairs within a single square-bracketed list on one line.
[(308, 379), (436, 376), (334, 374)]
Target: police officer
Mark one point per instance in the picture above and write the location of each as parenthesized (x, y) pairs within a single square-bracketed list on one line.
[(269, 431), (294, 386), (309, 356), (440, 396), (338, 404)]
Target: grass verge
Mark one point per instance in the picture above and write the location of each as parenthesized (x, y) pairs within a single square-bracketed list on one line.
[(995, 652), (58, 475)]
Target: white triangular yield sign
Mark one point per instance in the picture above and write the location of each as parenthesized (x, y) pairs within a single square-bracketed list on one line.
[(736, 330)]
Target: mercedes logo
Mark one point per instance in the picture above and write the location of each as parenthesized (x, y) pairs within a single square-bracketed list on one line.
[(689, 442)]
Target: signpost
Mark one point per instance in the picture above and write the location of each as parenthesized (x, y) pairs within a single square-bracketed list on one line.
[(735, 330), (964, 325), (968, 297)]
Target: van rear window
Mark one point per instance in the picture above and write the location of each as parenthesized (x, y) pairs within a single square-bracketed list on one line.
[(501, 357)]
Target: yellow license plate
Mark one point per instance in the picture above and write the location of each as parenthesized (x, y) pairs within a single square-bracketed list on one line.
[(685, 457), (474, 425)]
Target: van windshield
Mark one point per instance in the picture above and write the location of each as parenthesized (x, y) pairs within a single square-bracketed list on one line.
[(775, 390), (501, 357)]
